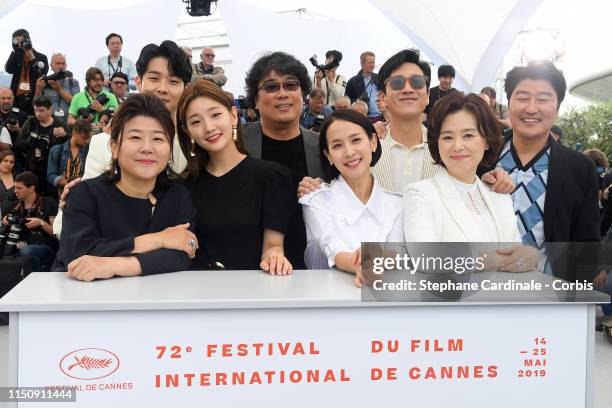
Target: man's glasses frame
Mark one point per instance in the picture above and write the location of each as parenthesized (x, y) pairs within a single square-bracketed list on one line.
[(398, 82), (290, 85)]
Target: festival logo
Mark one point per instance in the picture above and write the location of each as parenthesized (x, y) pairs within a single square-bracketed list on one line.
[(89, 364)]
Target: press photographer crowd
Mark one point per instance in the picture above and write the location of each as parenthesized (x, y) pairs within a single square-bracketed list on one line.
[(151, 167)]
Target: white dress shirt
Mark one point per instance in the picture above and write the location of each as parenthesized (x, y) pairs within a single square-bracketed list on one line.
[(337, 221)]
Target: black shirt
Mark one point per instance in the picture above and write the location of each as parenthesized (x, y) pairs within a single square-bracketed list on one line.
[(44, 208), (100, 220), (436, 94), (291, 154), (234, 209)]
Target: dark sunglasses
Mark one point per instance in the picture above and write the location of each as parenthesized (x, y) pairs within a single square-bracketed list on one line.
[(271, 87), (398, 82)]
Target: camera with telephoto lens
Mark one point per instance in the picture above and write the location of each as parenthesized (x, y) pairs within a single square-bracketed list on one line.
[(12, 233), (83, 113), (57, 76), (18, 46), (11, 119), (336, 57)]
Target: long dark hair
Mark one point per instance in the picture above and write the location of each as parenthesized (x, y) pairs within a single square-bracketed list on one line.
[(201, 89), (141, 104)]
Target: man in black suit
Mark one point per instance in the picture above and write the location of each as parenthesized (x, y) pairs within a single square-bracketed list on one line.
[(276, 85), (556, 196)]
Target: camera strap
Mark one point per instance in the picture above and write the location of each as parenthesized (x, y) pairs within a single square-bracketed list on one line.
[(110, 66)]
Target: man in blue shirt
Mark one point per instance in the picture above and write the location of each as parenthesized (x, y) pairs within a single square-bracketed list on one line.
[(59, 91), (315, 112)]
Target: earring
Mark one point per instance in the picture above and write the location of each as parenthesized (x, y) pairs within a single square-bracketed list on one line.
[(192, 153), (115, 167), (235, 134)]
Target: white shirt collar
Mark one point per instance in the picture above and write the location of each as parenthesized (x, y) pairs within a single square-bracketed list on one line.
[(393, 142), (352, 207)]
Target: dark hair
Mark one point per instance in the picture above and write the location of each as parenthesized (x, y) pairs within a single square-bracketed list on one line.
[(121, 75), (201, 89), (336, 54), (42, 101), (489, 91), (111, 35), (405, 56), (488, 126), (598, 157), (446, 70), (140, 104), (92, 73), (557, 131), (6, 153), (178, 62), (82, 126), (537, 70), (281, 63), (347, 115), (21, 31), (28, 179)]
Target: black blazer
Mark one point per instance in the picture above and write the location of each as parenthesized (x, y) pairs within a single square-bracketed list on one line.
[(13, 66), (252, 143)]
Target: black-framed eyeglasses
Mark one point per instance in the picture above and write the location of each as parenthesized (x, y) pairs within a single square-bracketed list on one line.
[(290, 86), (209, 55), (119, 83), (398, 82)]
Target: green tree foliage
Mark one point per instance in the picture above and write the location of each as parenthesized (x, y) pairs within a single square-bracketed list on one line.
[(590, 126)]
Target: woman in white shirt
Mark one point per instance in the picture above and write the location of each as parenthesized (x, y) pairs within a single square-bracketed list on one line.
[(455, 206), (354, 208)]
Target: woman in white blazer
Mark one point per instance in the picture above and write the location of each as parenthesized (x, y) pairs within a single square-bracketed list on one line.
[(455, 206), (353, 208)]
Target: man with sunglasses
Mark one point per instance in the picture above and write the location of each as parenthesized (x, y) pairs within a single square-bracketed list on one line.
[(119, 86), (206, 70), (404, 85), (276, 85)]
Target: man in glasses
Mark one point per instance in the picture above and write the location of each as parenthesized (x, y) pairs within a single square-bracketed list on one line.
[(446, 76), (119, 86), (114, 61), (205, 69), (60, 91), (315, 111), (276, 85)]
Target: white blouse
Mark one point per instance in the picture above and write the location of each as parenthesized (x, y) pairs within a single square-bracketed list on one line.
[(337, 221), (480, 214)]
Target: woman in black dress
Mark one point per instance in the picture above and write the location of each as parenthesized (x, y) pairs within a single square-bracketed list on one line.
[(243, 204), (132, 220)]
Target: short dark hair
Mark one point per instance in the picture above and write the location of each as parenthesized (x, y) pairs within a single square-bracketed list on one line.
[(557, 131), (283, 64), (121, 75), (489, 91), (412, 56), (82, 126), (446, 70), (111, 35), (42, 101), (335, 53), (140, 104), (6, 153), (178, 62), (488, 125), (28, 179), (347, 115), (92, 73), (21, 31), (537, 70)]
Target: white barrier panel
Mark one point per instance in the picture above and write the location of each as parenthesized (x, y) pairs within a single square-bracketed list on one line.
[(433, 356)]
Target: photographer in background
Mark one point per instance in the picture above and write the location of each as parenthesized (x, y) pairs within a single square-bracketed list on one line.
[(38, 134), (119, 86), (26, 65), (27, 228), (326, 78), (92, 100), (60, 87), (364, 85), (11, 117), (315, 112), (67, 161)]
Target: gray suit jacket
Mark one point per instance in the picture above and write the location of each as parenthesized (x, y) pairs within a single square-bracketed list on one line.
[(252, 142)]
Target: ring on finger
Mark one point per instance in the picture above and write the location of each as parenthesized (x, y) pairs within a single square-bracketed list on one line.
[(191, 243)]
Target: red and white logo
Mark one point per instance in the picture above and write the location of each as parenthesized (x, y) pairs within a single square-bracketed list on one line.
[(89, 364)]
